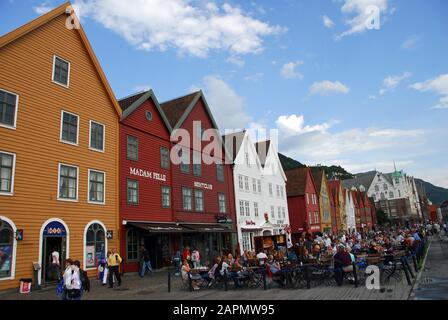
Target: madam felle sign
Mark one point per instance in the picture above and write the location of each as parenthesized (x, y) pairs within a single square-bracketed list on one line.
[(147, 174)]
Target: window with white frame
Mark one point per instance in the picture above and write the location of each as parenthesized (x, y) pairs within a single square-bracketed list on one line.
[(186, 198), (199, 200), (278, 191), (69, 127), (222, 203), (259, 185), (256, 209), (272, 212), (166, 197), (97, 181), (132, 148), (284, 213), (247, 207), (97, 134), (270, 189), (61, 71), (68, 182), (282, 192), (254, 185), (240, 182), (220, 172), (246, 183), (6, 247), (164, 158), (132, 191), (247, 159), (377, 188), (391, 194), (246, 241), (279, 212), (95, 245), (7, 170), (241, 208), (8, 109), (310, 218), (385, 187), (307, 198), (197, 168)]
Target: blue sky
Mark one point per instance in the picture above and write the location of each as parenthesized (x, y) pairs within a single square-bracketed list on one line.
[(338, 92)]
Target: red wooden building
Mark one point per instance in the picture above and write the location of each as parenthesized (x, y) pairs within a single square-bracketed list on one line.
[(303, 201), (164, 205)]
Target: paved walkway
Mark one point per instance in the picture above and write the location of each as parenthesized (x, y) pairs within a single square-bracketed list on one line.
[(433, 281), (155, 287)]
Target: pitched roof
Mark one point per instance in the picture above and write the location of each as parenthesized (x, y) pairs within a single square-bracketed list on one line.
[(176, 108), (365, 179), (128, 101), (262, 148), (318, 176), (233, 142), (131, 103), (297, 179), (49, 16)]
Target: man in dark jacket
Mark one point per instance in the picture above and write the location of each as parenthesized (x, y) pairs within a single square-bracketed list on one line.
[(342, 263), (145, 262)]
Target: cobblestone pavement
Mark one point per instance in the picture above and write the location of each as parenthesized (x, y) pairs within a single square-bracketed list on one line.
[(433, 280), (155, 287)]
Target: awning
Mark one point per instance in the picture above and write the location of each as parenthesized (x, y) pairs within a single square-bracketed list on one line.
[(210, 228), (159, 227)]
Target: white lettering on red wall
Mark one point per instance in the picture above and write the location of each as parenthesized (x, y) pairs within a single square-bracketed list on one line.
[(147, 174), (203, 185)]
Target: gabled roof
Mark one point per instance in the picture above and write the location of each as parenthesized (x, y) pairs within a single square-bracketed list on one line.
[(361, 179), (318, 177), (262, 148), (131, 103), (233, 142), (46, 18), (176, 108), (177, 111), (297, 179)]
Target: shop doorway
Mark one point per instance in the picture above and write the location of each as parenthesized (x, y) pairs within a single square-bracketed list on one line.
[(54, 239), (158, 247)]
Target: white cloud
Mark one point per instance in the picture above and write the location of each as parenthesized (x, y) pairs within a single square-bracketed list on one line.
[(226, 105), (42, 8), (326, 88), (360, 15), (295, 125), (411, 42), (391, 82), (289, 71), (236, 61), (439, 85), (317, 144), (195, 28), (254, 77), (328, 23)]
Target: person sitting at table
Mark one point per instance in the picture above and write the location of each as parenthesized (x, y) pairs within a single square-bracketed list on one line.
[(185, 271), (262, 257), (213, 273), (342, 264), (275, 271)]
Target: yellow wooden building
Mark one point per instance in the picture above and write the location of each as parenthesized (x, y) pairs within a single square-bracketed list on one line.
[(324, 199), (58, 150)]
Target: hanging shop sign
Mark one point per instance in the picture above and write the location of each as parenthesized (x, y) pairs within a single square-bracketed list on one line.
[(109, 234), (147, 174)]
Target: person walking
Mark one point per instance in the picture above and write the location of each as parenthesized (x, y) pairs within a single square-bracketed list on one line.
[(72, 281), (145, 261), (113, 262)]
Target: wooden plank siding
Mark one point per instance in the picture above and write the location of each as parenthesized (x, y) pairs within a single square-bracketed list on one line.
[(26, 66)]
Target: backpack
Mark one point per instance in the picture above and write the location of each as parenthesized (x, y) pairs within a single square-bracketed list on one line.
[(85, 281)]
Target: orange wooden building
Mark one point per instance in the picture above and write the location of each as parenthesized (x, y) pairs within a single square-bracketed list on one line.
[(59, 129)]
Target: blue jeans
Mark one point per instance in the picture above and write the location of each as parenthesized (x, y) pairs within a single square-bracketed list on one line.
[(146, 266)]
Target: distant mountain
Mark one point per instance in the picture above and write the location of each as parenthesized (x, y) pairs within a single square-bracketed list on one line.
[(436, 194), (289, 163)]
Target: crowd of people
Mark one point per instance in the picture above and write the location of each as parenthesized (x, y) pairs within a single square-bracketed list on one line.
[(342, 250)]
